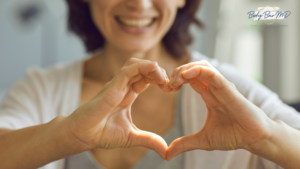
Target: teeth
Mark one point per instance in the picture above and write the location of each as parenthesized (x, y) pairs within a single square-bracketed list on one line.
[(136, 22)]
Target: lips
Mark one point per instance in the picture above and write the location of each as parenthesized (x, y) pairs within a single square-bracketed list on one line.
[(137, 23)]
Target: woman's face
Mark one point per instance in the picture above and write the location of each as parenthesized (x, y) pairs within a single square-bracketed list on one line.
[(134, 25)]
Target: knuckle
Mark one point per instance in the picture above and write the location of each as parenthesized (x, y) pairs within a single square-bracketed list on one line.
[(211, 76), (205, 62), (154, 63), (177, 69), (123, 73), (181, 69), (123, 70), (131, 61), (110, 98)]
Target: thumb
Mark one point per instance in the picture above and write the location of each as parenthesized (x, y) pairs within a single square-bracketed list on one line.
[(149, 140), (183, 144)]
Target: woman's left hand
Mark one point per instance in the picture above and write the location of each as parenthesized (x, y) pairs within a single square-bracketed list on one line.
[(232, 121)]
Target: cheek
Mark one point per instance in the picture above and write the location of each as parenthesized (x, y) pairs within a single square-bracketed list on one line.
[(100, 11), (168, 14)]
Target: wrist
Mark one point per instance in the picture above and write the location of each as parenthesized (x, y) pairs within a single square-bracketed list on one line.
[(268, 146), (63, 134)]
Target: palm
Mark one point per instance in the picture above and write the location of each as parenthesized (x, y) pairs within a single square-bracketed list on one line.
[(91, 127), (116, 130), (105, 121), (220, 133), (232, 121)]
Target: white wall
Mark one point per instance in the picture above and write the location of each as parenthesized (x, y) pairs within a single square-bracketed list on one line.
[(22, 47)]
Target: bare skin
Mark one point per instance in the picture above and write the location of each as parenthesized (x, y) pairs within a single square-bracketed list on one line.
[(103, 122), (153, 110), (232, 121), (113, 81)]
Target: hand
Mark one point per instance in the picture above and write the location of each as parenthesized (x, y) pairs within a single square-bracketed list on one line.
[(105, 121), (232, 121)]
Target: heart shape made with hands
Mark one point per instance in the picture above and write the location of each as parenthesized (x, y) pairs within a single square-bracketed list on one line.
[(225, 128), (232, 121)]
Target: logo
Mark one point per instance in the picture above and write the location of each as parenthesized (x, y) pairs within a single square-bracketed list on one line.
[(268, 14)]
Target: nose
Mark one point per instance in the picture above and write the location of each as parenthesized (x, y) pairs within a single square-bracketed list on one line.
[(139, 5)]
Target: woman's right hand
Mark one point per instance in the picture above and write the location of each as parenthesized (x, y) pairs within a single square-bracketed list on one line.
[(105, 121)]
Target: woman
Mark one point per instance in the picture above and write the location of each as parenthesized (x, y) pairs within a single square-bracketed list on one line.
[(82, 114)]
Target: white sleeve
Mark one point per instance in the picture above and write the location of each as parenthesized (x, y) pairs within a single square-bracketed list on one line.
[(265, 99), (24, 104), (262, 97)]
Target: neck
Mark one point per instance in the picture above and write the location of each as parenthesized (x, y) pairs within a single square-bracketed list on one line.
[(111, 59), (115, 58)]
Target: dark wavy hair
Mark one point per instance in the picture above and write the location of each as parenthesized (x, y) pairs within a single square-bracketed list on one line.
[(175, 41)]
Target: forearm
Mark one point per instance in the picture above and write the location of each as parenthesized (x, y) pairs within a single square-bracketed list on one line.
[(282, 148), (36, 146)]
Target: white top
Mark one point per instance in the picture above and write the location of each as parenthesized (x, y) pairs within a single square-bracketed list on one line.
[(44, 94)]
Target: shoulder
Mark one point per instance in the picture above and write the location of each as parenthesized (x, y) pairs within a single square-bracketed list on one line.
[(44, 86), (55, 74), (41, 95), (51, 78), (51, 83)]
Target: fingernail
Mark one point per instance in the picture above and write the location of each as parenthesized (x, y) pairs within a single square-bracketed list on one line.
[(172, 79), (166, 86), (172, 86), (184, 72), (163, 73), (166, 76)]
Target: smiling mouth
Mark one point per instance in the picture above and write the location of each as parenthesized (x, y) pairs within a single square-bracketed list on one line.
[(137, 23)]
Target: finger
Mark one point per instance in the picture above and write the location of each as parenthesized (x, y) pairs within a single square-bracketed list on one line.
[(177, 81), (208, 75), (135, 79), (151, 81), (148, 140), (140, 86), (176, 78), (134, 60), (212, 86), (136, 89), (183, 144), (160, 76), (114, 91), (132, 94), (207, 95), (177, 89), (128, 72), (165, 87), (188, 66), (156, 76)]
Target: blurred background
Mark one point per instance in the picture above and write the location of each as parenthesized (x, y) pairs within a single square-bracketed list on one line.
[(34, 33)]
